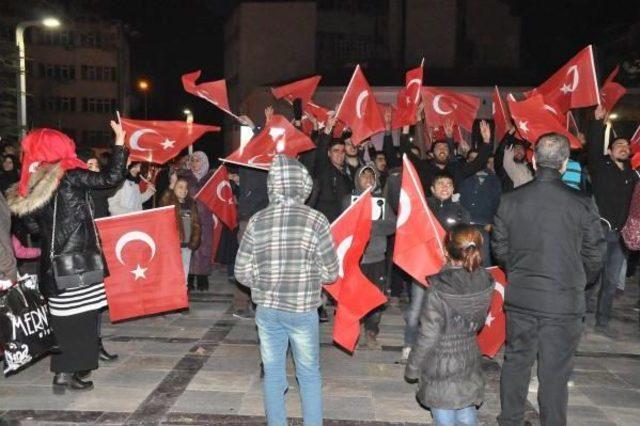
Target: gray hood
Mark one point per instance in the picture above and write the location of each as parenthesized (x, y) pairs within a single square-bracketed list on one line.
[(467, 293), (288, 182), (356, 180)]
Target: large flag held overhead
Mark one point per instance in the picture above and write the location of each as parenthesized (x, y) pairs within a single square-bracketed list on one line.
[(302, 89), (355, 295), (159, 141), (575, 85), (409, 98), (611, 91), (142, 250), (441, 105), (214, 92), (359, 109), (279, 136), (217, 195), (419, 249), (534, 120), (492, 336)]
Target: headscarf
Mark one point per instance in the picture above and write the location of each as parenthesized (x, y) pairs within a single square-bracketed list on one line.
[(46, 146), (204, 168)]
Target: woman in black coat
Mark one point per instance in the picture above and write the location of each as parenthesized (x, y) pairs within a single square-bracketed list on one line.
[(445, 356), (54, 178)]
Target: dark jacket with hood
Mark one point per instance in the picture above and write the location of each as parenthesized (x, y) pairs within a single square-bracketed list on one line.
[(74, 228), (381, 228), (449, 213), (445, 356)]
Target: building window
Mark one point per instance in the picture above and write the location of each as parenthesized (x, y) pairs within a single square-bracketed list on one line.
[(97, 39), (58, 104), (99, 105), (57, 72), (96, 137), (53, 38), (96, 73)]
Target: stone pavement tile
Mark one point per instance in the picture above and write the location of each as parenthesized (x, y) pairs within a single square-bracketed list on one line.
[(396, 389), (348, 408), (150, 362), (248, 365), (625, 416), (138, 379), (110, 398), (399, 410), (589, 364), (377, 356), (336, 386), (384, 371), (237, 351), (207, 380), (213, 402), (32, 374), (608, 397), (252, 405), (163, 348), (598, 378), (29, 397), (580, 414)]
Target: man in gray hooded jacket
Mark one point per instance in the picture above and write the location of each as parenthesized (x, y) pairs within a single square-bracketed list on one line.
[(285, 256)]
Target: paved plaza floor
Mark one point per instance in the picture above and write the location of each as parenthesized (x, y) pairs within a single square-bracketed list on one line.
[(201, 367)]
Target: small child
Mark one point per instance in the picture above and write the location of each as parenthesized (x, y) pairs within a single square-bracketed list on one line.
[(445, 356), (188, 220)]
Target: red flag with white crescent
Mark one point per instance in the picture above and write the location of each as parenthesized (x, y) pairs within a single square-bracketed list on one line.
[(492, 336), (214, 92), (441, 105), (159, 141), (500, 115), (355, 295), (217, 234), (419, 248), (302, 89), (279, 136), (575, 85), (217, 195), (611, 91), (409, 98), (359, 109), (142, 251)]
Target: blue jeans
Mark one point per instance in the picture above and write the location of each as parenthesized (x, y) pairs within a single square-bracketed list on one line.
[(462, 417), (614, 261), (412, 314), (276, 330)]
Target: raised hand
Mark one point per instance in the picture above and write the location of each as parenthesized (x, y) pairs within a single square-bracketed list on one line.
[(448, 128), (485, 131), (600, 112), (118, 131), (268, 113)]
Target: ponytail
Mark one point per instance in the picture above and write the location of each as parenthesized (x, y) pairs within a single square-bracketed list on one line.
[(463, 244), (471, 258)]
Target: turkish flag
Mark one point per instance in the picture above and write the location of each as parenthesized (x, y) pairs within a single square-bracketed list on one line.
[(409, 98), (500, 115), (419, 242), (575, 85), (302, 89), (611, 91), (491, 338), (211, 91), (634, 144), (217, 233), (402, 113), (572, 126), (441, 105), (534, 120), (355, 295), (359, 109), (160, 141), (217, 195), (142, 250), (279, 136)]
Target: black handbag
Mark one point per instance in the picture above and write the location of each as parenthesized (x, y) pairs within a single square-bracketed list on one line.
[(74, 270)]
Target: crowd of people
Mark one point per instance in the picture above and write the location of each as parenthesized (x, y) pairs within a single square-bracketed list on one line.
[(552, 220)]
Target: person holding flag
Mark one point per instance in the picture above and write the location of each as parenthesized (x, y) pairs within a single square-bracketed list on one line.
[(285, 255)]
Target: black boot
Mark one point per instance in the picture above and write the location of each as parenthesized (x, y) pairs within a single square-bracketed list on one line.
[(71, 381), (203, 283), (106, 356)]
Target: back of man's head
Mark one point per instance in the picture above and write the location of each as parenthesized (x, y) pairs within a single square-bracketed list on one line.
[(552, 151)]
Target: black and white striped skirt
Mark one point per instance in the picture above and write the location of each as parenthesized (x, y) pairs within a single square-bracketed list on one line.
[(77, 301)]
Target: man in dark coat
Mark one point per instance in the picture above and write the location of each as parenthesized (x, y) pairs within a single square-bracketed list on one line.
[(549, 239)]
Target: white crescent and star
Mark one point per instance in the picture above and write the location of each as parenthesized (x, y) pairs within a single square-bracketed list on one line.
[(361, 98), (500, 289), (566, 88), (437, 108), (277, 135), (134, 140), (139, 272), (341, 251), (523, 125), (405, 209), (419, 83), (221, 186)]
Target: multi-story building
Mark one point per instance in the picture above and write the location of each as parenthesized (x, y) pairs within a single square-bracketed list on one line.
[(77, 77)]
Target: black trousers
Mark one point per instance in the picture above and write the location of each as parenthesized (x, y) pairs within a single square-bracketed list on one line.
[(77, 337), (376, 273), (553, 341)]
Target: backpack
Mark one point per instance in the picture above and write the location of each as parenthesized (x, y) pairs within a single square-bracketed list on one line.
[(631, 229)]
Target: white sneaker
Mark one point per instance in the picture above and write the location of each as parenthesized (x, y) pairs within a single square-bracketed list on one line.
[(405, 355)]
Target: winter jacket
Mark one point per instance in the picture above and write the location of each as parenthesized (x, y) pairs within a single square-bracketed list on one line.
[(22, 252), (252, 194), (74, 228), (480, 196), (169, 198), (128, 198), (287, 252), (7, 258), (445, 356), (448, 212), (549, 239), (382, 227), (612, 187)]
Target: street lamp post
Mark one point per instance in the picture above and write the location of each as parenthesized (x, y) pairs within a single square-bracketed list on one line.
[(143, 85), (22, 72)]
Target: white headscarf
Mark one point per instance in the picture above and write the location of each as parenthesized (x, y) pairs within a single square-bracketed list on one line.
[(204, 169)]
